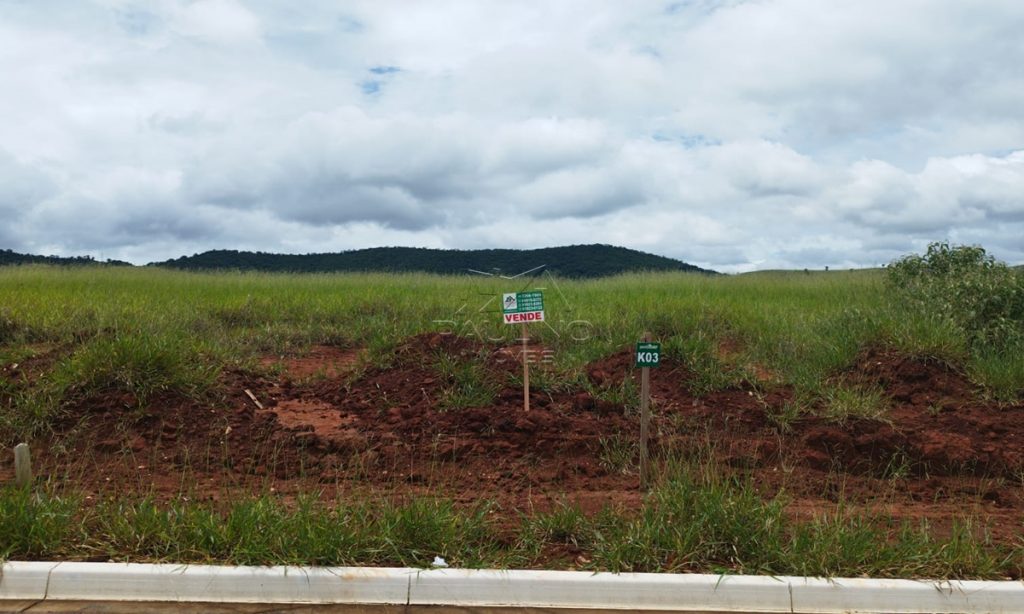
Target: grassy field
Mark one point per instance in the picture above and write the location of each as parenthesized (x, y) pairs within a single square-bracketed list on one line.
[(147, 331), (150, 333)]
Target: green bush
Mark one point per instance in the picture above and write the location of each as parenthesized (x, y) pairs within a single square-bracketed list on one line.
[(966, 286)]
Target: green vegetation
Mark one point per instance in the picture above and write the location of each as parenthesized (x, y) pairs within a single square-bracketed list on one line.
[(691, 522), (33, 526), (619, 453), (11, 257), (966, 289), (152, 332), (571, 261), (468, 383), (143, 335), (846, 402)]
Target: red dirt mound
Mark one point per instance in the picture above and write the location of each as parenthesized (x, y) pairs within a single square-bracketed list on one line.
[(939, 452), (937, 424)]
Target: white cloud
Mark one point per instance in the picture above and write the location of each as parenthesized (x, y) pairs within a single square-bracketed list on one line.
[(732, 134), (218, 21)]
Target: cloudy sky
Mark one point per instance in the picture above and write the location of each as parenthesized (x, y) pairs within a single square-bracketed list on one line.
[(732, 134)]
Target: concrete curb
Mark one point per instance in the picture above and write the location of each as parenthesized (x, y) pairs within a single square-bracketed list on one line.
[(481, 588)]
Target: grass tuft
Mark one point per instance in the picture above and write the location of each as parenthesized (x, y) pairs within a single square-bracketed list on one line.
[(140, 365), (35, 525), (468, 383), (846, 402), (1000, 372)]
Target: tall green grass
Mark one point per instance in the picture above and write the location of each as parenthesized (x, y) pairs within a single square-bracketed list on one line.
[(147, 332)]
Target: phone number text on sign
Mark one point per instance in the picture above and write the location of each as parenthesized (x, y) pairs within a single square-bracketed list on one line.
[(522, 307)]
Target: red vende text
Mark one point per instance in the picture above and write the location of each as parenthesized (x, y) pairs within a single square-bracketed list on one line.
[(530, 316)]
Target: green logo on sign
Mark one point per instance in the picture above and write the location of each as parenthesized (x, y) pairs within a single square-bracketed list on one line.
[(648, 354)]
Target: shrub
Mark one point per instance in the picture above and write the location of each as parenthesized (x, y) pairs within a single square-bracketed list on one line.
[(968, 287)]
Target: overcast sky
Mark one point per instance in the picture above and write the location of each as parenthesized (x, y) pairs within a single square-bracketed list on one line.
[(731, 134)]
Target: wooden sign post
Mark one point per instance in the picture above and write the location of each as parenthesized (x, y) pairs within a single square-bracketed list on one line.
[(523, 308), (648, 354), (526, 368)]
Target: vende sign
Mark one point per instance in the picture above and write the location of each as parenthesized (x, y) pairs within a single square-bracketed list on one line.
[(519, 318), (522, 307)]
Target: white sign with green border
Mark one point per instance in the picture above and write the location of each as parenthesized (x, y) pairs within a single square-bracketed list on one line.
[(523, 307)]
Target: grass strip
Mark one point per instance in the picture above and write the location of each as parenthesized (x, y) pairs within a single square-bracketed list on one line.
[(687, 524)]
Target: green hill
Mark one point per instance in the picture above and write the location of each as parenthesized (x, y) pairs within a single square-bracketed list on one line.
[(569, 261), (11, 257)]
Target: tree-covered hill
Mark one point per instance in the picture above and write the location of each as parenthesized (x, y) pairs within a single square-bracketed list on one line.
[(11, 257), (569, 261)]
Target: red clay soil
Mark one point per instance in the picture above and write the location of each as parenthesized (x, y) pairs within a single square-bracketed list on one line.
[(940, 453), (321, 361)]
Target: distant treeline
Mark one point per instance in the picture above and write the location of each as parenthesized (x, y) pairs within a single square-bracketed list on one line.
[(11, 257), (570, 261)]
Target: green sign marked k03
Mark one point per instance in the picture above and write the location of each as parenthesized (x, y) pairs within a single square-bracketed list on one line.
[(648, 354)]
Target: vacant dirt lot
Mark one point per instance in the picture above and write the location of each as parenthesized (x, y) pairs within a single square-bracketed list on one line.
[(939, 453)]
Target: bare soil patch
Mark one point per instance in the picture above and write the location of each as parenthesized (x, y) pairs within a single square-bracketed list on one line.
[(940, 453), (321, 360)]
